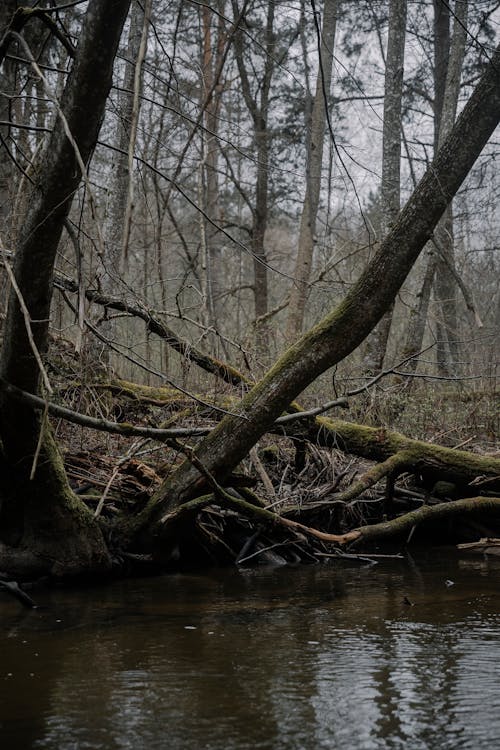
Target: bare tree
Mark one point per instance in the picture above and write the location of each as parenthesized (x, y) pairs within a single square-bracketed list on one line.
[(390, 188), (447, 74), (7, 89), (119, 206), (258, 103), (212, 57), (307, 230), (445, 285)]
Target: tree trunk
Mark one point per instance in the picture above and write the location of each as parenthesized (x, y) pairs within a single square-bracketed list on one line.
[(258, 108), (445, 285), (41, 513), (211, 60), (307, 230), (111, 262), (7, 87), (11, 82), (343, 329), (446, 90), (390, 189)]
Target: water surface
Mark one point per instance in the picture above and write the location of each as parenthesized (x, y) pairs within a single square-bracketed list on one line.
[(334, 656)]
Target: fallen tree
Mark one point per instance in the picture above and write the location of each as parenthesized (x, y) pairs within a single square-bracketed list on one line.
[(340, 332), (405, 524), (394, 453)]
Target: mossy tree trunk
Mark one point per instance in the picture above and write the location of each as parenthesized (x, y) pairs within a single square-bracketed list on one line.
[(38, 511), (343, 329)]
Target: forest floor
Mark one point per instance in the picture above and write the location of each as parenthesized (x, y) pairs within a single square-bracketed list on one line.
[(319, 489)]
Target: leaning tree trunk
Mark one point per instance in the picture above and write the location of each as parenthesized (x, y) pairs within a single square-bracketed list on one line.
[(390, 188), (39, 512), (307, 229), (343, 329)]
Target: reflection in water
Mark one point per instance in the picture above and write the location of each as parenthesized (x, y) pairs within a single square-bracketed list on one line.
[(318, 657)]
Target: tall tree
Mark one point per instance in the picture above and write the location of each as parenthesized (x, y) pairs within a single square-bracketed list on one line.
[(445, 285), (15, 146), (7, 90), (316, 137), (212, 57), (257, 102), (448, 62), (119, 206), (7, 87), (38, 510), (390, 188)]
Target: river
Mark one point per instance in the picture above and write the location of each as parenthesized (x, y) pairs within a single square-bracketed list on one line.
[(402, 654)]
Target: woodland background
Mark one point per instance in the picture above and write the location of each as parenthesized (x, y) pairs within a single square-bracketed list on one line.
[(252, 157)]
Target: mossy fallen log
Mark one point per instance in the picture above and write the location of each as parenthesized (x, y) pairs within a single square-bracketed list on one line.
[(396, 527), (471, 472)]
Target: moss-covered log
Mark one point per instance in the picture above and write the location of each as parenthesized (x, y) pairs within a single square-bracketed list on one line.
[(397, 527), (433, 462)]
